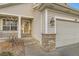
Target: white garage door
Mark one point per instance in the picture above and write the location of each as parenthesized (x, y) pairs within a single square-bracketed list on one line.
[(66, 33)]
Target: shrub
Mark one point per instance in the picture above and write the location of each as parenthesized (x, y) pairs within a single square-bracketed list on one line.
[(6, 54)]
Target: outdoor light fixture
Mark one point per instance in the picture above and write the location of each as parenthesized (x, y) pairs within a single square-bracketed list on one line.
[(52, 21), (75, 20)]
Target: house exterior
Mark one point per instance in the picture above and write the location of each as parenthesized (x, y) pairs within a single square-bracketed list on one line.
[(52, 24)]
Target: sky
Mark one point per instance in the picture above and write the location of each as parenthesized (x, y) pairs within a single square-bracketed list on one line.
[(74, 6)]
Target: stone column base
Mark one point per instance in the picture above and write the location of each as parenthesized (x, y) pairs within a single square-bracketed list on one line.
[(48, 42)]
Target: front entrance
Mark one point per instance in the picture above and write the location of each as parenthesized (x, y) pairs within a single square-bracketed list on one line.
[(26, 27)]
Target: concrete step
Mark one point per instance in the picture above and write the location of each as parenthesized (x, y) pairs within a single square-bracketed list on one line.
[(30, 41), (26, 35), (34, 43)]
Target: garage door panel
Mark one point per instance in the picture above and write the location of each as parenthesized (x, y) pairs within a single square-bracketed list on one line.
[(66, 33)]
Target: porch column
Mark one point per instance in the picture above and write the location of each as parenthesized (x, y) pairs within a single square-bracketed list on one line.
[(19, 27), (29, 27), (46, 21), (55, 24)]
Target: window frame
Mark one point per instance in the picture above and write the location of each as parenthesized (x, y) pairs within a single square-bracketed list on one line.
[(10, 26)]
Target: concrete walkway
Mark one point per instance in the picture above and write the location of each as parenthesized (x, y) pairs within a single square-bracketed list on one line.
[(35, 50), (32, 48)]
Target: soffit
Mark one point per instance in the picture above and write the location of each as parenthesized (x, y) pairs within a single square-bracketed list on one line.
[(57, 7)]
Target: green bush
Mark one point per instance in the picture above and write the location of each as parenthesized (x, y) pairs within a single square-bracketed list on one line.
[(6, 54)]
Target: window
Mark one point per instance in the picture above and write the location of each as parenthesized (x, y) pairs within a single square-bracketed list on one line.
[(9, 25)]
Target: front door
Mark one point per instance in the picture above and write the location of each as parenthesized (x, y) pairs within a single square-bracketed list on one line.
[(26, 27)]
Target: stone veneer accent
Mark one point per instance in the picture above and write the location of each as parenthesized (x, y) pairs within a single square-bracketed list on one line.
[(48, 42)]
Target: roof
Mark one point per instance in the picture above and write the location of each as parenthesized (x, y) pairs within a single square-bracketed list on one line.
[(57, 6), (4, 5), (41, 6)]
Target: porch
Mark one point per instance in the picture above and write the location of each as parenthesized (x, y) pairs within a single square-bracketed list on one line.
[(15, 25)]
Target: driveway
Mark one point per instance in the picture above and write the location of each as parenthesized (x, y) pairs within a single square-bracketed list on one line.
[(70, 50), (35, 50)]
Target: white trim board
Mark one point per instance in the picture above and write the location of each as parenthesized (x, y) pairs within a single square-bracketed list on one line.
[(17, 15)]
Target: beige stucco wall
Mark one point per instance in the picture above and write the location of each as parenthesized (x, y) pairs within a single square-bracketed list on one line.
[(0, 24), (27, 11), (62, 15), (58, 14), (50, 29), (20, 9), (37, 25)]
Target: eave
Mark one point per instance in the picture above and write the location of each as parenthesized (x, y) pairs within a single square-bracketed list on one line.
[(57, 7), (4, 5)]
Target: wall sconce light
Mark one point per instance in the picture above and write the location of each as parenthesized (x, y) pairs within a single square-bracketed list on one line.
[(52, 22), (75, 20)]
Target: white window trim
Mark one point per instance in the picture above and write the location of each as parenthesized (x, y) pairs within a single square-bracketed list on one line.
[(7, 25)]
